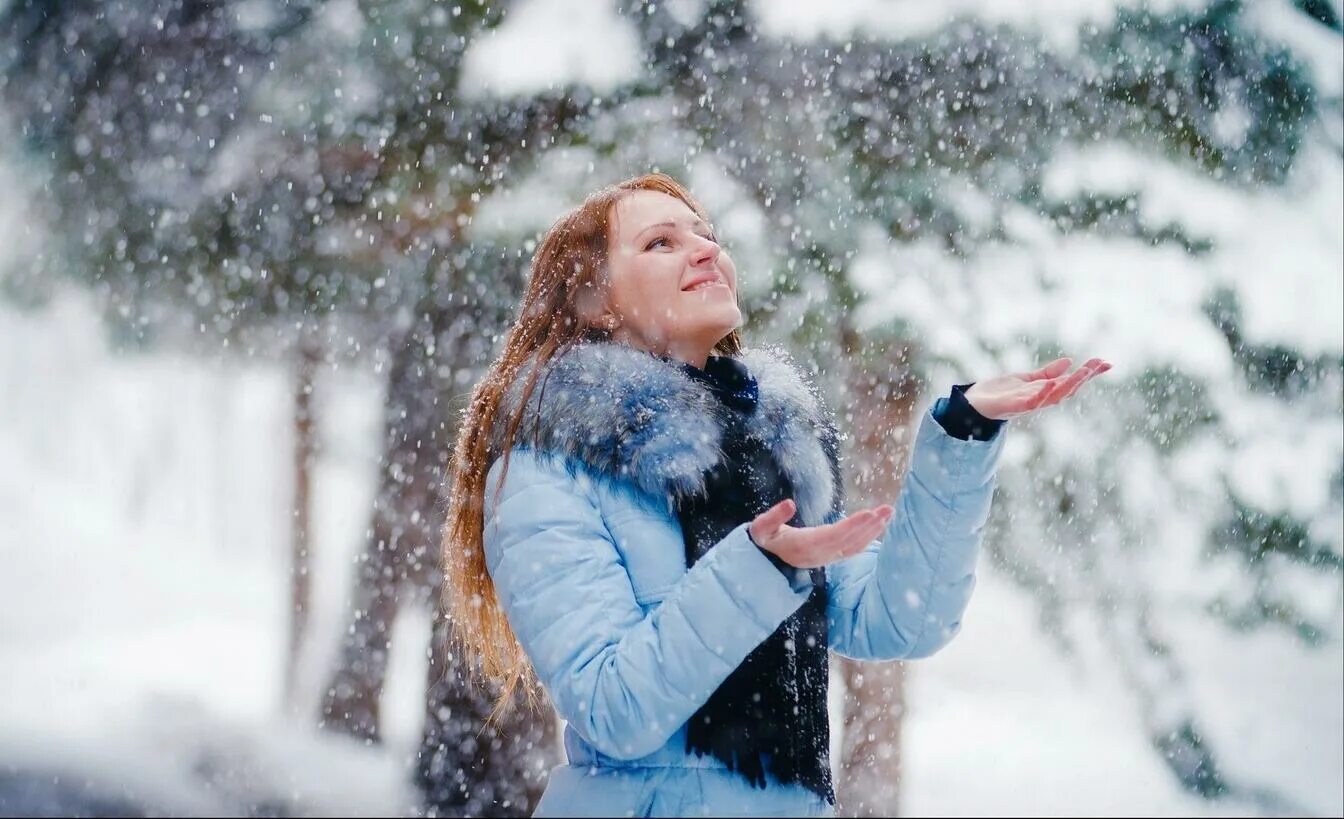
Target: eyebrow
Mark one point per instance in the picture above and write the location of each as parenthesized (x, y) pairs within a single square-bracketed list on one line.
[(697, 222)]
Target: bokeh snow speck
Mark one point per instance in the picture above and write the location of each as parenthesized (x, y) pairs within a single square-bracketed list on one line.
[(340, 199)]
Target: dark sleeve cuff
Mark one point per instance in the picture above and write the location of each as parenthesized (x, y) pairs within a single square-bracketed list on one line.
[(960, 420)]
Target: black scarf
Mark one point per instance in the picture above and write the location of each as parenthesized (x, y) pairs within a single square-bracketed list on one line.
[(770, 713)]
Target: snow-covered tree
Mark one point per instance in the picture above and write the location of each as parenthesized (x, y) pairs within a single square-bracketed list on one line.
[(290, 178), (980, 196), (912, 199)]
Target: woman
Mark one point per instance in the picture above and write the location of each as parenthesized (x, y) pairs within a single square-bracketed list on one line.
[(646, 518)]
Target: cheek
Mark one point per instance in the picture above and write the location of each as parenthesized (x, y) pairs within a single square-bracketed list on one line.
[(623, 276), (637, 292), (729, 269), (725, 262), (652, 280)]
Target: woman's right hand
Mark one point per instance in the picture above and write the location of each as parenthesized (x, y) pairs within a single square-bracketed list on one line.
[(812, 546)]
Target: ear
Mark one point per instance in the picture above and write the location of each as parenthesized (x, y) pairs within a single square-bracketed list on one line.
[(591, 305)]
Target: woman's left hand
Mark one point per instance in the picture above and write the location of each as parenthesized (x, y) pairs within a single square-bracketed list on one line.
[(1010, 396)]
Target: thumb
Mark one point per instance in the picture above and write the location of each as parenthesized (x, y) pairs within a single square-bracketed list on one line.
[(1051, 370), (768, 522)]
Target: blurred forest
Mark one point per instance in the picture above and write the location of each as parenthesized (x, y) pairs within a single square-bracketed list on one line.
[(361, 184)]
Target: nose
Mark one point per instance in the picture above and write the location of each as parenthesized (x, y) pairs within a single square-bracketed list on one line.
[(705, 251)]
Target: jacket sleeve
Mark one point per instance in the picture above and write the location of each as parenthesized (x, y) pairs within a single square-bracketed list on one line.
[(624, 679), (903, 597)]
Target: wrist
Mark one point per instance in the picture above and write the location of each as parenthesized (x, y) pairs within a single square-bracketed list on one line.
[(960, 419), (799, 579)]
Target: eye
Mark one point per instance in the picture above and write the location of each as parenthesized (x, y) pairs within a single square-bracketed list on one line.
[(651, 245)]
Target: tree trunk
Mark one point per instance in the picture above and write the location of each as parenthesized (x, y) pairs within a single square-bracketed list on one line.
[(351, 702), (464, 766), (882, 394), (402, 547), (467, 767), (300, 575)]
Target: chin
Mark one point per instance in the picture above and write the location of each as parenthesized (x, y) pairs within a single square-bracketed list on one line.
[(709, 321), (720, 330)]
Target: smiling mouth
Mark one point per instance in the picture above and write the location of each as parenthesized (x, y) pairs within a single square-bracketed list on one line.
[(705, 284)]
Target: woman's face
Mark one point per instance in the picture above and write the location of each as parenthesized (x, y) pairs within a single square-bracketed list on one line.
[(671, 288)]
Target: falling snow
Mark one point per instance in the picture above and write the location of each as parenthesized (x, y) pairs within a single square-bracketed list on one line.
[(255, 254)]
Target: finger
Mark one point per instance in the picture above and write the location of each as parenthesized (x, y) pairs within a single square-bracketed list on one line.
[(830, 549), (1096, 371), (1091, 375), (885, 511), (858, 539), (1042, 395), (843, 530), (831, 539), (1057, 372), (1094, 367), (1058, 392), (1046, 393), (768, 522), (1051, 370), (1060, 387), (862, 540)]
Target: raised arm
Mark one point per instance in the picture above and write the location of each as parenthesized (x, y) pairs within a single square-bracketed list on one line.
[(624, 680), (904, 596)]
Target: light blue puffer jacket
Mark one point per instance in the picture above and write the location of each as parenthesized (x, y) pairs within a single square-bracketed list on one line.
[(588, 561)]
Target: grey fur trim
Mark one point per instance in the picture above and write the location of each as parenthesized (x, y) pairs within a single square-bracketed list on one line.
[(629, 415), (790, 420)]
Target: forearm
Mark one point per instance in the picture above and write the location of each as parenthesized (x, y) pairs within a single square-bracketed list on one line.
[(631, 689), (626, 679), (904, 596)]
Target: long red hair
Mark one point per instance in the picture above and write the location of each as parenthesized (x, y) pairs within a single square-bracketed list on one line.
[(567, 271)]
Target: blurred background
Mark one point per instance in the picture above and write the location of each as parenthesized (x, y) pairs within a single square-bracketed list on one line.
[(255, 254)]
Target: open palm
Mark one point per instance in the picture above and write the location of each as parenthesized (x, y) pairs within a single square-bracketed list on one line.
[(1011, 396), (808, 547)]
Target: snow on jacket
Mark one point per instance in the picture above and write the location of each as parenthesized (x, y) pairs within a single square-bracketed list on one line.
[(587, 558)]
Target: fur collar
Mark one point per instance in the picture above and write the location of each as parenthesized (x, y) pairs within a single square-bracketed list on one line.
[(629, 415)]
